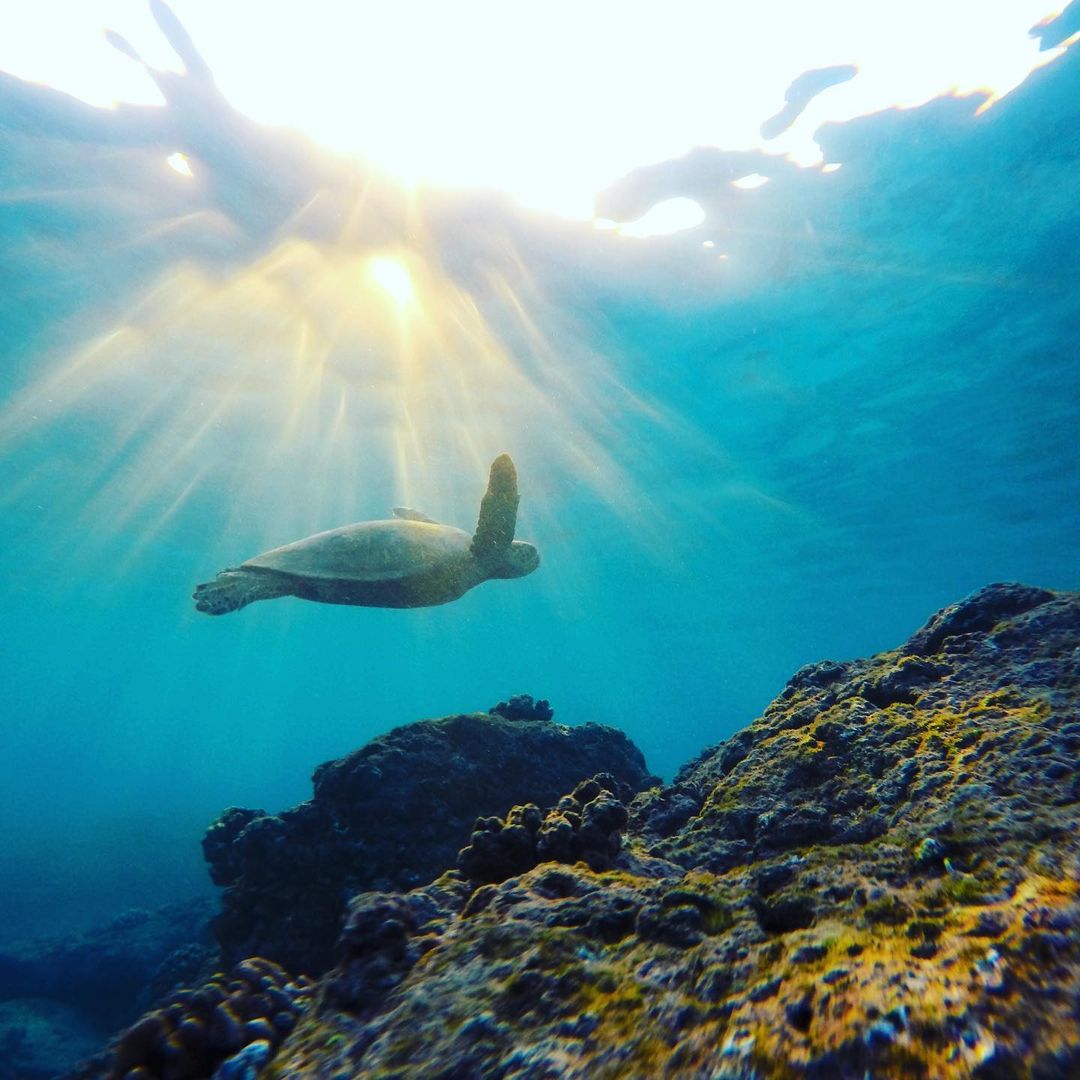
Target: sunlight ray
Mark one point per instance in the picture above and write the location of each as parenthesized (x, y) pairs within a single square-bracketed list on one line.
[(162, 465), (335, 353), (163, 229), (58, 389), (149, 533)]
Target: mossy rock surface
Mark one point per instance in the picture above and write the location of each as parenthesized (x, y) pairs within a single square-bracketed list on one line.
[(877, 877)]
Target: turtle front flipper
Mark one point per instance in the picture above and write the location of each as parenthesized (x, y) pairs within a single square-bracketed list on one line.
[(498, 510)]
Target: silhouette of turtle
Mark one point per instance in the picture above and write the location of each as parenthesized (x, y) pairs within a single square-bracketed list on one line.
[(409, 561)]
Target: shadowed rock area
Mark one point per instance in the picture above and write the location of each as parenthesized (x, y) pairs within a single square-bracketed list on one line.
[(392, 815), (62, 997), (877, 877)]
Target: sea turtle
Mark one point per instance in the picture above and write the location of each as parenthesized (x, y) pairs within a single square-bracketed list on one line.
[(409, 561)]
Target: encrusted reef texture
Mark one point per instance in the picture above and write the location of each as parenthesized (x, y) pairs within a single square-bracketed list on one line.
[(585, 826), (879, 877), (228, 1028), (392, 815)]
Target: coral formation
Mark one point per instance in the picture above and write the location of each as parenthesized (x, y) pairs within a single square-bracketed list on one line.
[(227, 1028), (584, 826), (880, 876), (392, 815), (386, 934), (522, 707)]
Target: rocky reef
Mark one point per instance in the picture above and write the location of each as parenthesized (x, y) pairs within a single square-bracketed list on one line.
[(393, 815), (880, 876)]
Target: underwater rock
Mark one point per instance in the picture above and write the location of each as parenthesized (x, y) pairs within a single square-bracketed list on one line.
[(103, 973), (385, 934), (879, 876), (392, 816), (976, 613), (229, 1028), (899, 740)]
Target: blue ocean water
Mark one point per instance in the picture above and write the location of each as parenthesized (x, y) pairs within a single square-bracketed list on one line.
[(844, 400)]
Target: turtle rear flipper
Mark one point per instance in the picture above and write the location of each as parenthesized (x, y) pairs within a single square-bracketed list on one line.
[(407, 513), (233, 589), (498, 510)]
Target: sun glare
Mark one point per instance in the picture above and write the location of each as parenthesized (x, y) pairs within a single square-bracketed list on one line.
[(179, 163), (375, 368), (665, 218), (748, 183), (394, 279), (375, 359), (525, 133)]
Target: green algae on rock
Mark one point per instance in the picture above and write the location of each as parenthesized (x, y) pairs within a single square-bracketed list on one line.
[(877, 877)]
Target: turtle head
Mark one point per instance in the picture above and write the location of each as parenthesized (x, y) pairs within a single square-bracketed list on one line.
[(517, 560)]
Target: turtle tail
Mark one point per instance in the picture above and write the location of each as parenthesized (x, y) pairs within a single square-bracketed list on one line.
[(233, 589), (498, 510)]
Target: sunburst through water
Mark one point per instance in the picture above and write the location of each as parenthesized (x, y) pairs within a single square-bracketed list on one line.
[(374, 367)]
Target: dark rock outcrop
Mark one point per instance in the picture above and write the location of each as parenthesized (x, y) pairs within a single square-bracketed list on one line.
[(392, 816), (103, 974), (880, 876), (523, 707)]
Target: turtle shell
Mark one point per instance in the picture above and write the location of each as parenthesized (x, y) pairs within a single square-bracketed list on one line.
[(368, 551)]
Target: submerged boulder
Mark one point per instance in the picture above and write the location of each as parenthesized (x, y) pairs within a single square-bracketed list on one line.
[(880, 876), (108, 973), (392, 816)]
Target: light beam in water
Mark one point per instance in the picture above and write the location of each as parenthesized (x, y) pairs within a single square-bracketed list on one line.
[(315, 386)]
